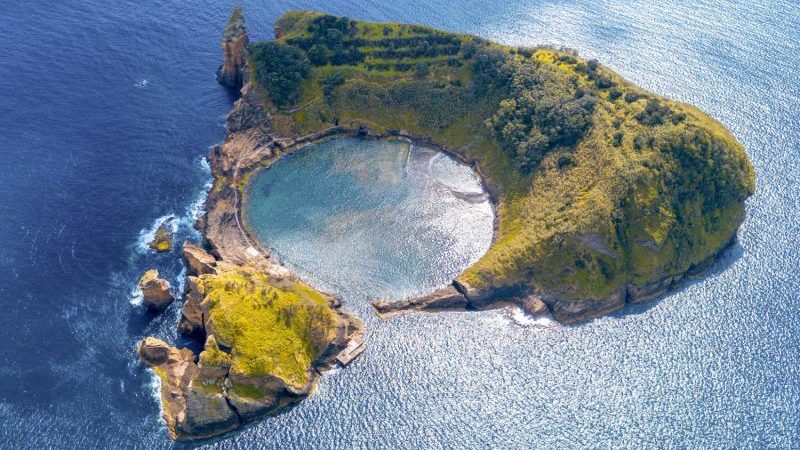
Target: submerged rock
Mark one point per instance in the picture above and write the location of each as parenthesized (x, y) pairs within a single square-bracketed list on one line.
[(155, 290), (162, 241), (231, 72)]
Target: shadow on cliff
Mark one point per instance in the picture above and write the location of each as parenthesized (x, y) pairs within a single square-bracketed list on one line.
[(724, 261)]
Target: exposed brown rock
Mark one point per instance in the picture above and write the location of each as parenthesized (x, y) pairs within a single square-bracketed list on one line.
[(445, 298), (534, 306), (191, 323), (580, 311), (155, 290), (198, 261), (234, 51)]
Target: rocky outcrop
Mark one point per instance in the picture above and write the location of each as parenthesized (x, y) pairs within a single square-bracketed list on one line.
[(231, 72), (162, 240), (569, 312), (155, 290), (191, 323), (447, 298), (193, 407), (198, 261)]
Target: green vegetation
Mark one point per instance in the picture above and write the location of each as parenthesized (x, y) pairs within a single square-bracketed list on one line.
[(212, 355), (600, 183), (272, 326), (279, 68)]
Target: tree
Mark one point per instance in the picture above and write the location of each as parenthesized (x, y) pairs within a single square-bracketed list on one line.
[(318, 55), (280, 69)]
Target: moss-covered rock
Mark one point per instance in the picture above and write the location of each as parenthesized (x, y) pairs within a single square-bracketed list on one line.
[(162, 240), (264, 335)]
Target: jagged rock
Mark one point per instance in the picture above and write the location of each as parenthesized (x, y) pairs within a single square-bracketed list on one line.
[(234, 50), (162, 241), (198, 261), (191, 323), (485, 296), (533, 306), (155, 290)]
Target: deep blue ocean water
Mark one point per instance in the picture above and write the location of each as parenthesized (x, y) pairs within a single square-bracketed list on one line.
[(107, 108)]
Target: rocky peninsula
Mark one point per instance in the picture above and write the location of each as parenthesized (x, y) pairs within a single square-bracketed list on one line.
[(604, 195)]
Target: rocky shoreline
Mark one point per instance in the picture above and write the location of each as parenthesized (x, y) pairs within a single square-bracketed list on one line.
[(461, 297)]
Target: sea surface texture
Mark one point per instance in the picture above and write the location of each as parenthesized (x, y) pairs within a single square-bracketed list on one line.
[(108, 108)]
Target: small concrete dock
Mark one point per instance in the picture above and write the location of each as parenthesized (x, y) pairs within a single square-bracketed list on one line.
[(353, 349)]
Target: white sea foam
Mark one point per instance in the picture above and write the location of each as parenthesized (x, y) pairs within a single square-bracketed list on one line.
[(155, 391), (135, 297), (518, 316), (142, 83), (180, 281)]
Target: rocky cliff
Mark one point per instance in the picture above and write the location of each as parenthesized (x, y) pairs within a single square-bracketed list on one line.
[(232, 71)]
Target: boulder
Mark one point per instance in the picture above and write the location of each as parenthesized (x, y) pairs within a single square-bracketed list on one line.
[(534, 306), (198, 261), (155, 290), (152, 351)]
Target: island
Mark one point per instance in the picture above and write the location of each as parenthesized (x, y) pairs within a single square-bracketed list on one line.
[(604, 195)]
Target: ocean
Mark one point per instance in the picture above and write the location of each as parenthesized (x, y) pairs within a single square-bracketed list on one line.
[(108, 108)]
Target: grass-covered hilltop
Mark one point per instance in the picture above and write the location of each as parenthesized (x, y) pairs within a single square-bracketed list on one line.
[(606, 193)]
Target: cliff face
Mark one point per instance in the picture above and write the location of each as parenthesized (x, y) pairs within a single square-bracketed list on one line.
[(234, 50)]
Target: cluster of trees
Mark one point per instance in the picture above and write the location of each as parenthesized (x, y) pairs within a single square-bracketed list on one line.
[(330, 40), (280, 69), (656, 113), (544, 108)]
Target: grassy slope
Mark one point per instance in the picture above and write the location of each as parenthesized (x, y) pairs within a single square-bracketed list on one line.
[(274, 327), (617, 214)]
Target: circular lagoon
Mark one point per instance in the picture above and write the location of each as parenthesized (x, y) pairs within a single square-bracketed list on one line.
[(368, 218)]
